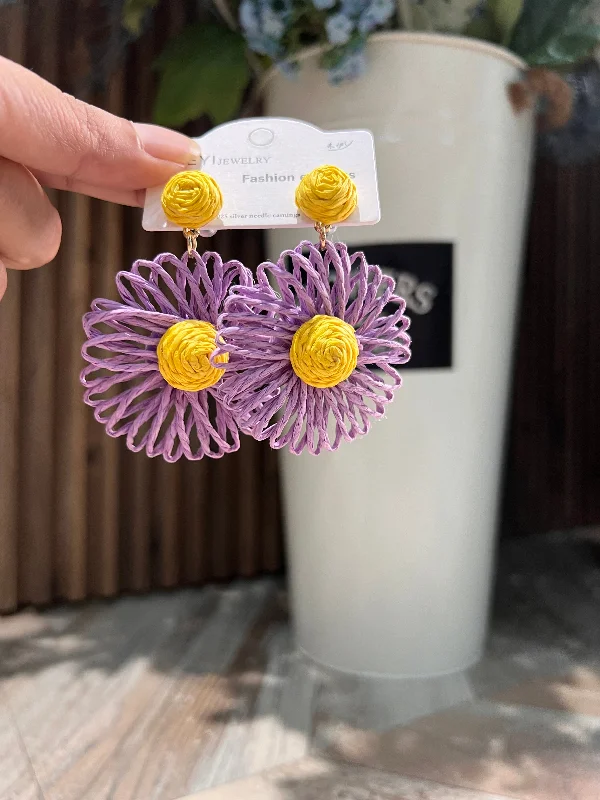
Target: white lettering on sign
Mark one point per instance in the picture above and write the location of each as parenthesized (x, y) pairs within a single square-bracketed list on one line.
[(419, 296)]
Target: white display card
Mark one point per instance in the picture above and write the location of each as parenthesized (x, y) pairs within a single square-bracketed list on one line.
[(258, 164)]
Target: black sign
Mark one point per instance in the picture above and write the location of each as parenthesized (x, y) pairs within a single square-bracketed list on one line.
[(423, 274)]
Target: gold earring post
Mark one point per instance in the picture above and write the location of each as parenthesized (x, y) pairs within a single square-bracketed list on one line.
[(191, 235), (323, 231)]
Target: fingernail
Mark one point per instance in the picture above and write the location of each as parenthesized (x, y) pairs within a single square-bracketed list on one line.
[(168, 145)]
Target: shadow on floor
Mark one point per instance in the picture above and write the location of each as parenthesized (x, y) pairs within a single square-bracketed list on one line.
[(215, 662)]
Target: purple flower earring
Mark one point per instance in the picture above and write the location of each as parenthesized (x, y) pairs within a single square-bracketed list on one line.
[(197, 350), (304, 343), (150, 376)]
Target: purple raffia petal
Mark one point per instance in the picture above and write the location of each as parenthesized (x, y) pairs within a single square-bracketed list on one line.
[(122, 381), (256, 329)]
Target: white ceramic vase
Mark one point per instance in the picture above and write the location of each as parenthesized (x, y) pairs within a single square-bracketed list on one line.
[(391, 538)]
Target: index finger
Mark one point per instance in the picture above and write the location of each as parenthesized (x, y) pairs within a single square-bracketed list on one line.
[(49, 131)]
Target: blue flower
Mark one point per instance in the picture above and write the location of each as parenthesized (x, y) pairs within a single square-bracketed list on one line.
[(339, 29), (349, 68), (249, 18), (264, 46), (322, 5), (366, 23), (352, 8), (272, 24), (377, 13), (260, 21), (283, 8), (264, 24)]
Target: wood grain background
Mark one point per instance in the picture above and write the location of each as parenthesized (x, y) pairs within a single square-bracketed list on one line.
[(553, 467), (79, 514)]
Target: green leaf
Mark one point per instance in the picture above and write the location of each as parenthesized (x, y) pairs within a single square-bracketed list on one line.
[(204, 70), (335, 55), (331, 58), (542, 22), (576, 44), (134, 12), (505, 14)]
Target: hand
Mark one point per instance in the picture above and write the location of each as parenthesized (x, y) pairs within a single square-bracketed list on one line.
[(48, 138)]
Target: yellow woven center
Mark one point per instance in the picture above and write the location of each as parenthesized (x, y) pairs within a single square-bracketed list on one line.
[(327, 195), (184, 352), (191, 199), (324, 351)]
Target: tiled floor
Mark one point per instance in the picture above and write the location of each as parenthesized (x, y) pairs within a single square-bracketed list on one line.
[(199, 692)]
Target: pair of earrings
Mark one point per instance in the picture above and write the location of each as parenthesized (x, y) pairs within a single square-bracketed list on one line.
[(302, 355)]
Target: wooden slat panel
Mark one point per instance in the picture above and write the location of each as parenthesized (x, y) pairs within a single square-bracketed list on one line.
[(103, 470), (223, 516), (72, 415), (9, 442), (38, 336), (165, 499), (136, 469), (591, 280), (271, 545), (247, 486), (37, 453), (195, 533), (553, 471), (80, 515), (12, 45), (73, 293)]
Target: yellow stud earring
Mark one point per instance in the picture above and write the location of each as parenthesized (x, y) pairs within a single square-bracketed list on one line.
[(191, 199), (327, 195)]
